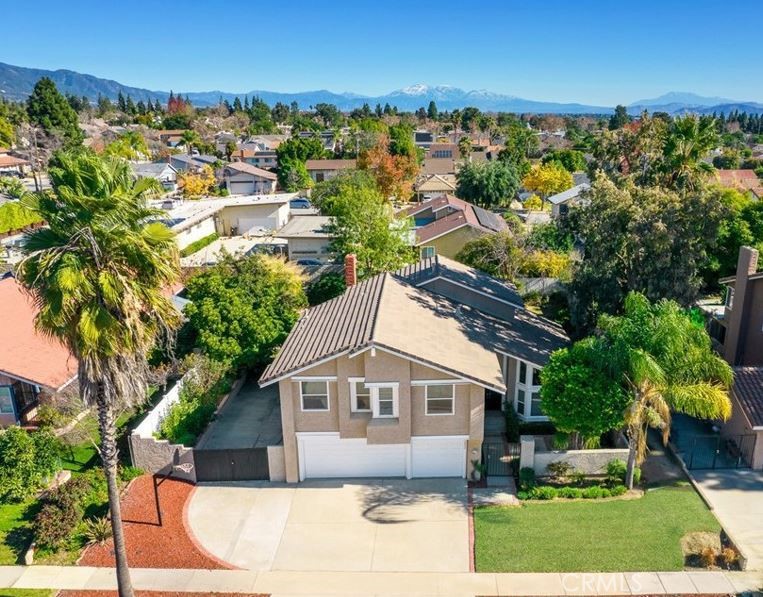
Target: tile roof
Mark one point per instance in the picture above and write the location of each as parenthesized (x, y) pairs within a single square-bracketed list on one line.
[(330, 164), (438, 166), (251, 169), (465, 214), (748, 388), (10, 160), (24, 352), (390, 312), (745, 180)]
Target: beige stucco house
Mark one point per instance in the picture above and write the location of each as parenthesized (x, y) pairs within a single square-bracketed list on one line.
[(393, 377)]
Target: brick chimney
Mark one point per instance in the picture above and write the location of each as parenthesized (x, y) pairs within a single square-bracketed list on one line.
[(738, 317), (350, 270)]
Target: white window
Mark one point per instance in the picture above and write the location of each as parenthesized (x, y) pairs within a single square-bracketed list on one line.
[(440, 399), (360, 395), (384, 400), (527, 399), (314, 395)]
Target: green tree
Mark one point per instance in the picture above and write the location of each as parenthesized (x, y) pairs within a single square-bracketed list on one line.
[(98, 274), (293, 176), (465, 148), (548, 179), (619, 119), (501, 255), (364, 223), (521, 143), (294, 151), (190, 138), (689, 140), (49, 109), (242, 310), (432, 110), (7, 133), (571, 160), (487, 184), (326, 287)]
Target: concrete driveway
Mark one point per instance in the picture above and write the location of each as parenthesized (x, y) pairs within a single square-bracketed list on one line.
[(380, 525), (737, 500)]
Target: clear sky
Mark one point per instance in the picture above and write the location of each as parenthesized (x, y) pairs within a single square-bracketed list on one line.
[(593, 51)]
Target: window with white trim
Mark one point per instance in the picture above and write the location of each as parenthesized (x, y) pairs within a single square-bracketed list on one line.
[(314, 395), (384, 401), (360, 396), (440, 399), (527, 393)]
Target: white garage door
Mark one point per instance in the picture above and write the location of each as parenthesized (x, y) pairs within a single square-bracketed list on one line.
[(253, 225), (325, 456), (241, 188), (443, 456)]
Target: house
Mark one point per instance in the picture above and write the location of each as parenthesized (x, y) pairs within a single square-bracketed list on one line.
[(328, 138), (262, 158), (171, 137), (12, 165), (31, 364), (438, 166), (423, 139), (742, 347), (242, 178), (562, 202), (392, 378), (182, 162), (320, 170), (161, 171), (443, 151), (308, 237), (745, 181), (429, 186), (445, 224)]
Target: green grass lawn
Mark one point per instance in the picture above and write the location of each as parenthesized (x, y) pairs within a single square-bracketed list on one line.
[(15, 531), (590, 536), (27, 593)]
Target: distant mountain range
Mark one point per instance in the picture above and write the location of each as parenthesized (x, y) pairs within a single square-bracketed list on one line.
[(16, 83)]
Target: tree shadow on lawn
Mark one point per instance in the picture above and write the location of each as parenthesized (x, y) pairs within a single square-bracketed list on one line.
[(19, 538)]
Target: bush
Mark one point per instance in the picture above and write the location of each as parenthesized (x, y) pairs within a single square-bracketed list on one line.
[(618, 490), (97, 530), (616, 471), (512, 422), (592, 493), (526, 478), (559, 470), (708, 557), (326, 287), (54, 524), (128, 473), (198, 245), (577, 477), (26, 461), (728, 557), (571, 492), (544, 492)]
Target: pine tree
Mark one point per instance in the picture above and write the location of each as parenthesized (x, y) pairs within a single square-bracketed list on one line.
[(432, 110), (121, 103), (47, 108)]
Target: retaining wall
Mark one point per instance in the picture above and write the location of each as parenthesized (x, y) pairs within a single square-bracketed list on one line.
[(534, 455)]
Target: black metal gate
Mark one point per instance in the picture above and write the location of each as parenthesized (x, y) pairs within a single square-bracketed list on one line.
[(718, 452), (245, 464), (500, 458)]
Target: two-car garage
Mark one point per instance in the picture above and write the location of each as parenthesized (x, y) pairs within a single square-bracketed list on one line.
[(326, 455)]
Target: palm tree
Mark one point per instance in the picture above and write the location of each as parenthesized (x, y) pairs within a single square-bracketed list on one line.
[(190, 139), (668, 365), (688, 141), (465, 148), (96, 274)]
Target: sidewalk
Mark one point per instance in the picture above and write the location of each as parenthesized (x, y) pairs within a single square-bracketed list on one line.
[(283, 583)]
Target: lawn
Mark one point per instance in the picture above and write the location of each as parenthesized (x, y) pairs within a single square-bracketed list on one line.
[(27, 593), (15, 531), (590, 536)]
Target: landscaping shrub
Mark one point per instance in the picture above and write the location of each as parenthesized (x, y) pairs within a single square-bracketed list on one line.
[(577, 477), (55, 523), (559, 470), (128, 473), (198, 245), (616, 470), (97, 530), (617, 490), (512, 422), (26, 461), (572, 493), (728, 557), (707, 557), (526, 478), (544, 492), (595, 492)]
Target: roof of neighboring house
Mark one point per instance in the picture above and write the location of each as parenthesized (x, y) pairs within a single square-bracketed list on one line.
[(151, 169), (24, 352), (10, 160), (433, 183), (171, 132), (748, 388), (198, 159), (444, 147), (306, 227), (745, 180), (330, 164), (250, 169), (438, 166), (388, 313), (465, 214), (569, 193)]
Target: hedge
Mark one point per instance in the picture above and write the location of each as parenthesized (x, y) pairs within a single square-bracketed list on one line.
[(198, 245)]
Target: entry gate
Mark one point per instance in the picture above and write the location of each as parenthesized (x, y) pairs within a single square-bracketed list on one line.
[(718, 452), (500, 458), (244, 464)]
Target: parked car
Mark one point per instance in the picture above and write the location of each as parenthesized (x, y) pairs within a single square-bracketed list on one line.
[(300, 203), (309, 262)]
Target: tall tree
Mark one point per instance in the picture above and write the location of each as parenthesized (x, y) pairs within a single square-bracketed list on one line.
[(432, 110), (547, 179), (98, 274), (49, 109), (619, 119), (488, 184)]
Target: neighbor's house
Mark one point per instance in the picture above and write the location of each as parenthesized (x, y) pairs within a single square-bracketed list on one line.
[(562, 202), (445, 224), (265, 158), (745, 181), (182, 162), (429, 186), (241, 178), (165, 173), (31, 364), (320, 170), (10, 164), (171, 137), (743, 350), (392, 378), (423, 139), (443, 151), (308, 237)]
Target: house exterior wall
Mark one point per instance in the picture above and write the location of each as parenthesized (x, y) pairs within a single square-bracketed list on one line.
[(467, 420), (752, 340), (309, 248), (737, 426), (450, 244), (198, 231), (276, 213), (257, 185)]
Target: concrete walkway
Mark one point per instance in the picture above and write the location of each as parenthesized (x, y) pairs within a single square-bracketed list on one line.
[(737, 500), (282, 584)]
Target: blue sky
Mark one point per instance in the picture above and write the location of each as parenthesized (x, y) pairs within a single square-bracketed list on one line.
[(600, 52)]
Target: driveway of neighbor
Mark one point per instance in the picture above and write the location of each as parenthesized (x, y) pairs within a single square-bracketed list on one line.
[(250, 419), (737, 500), (366, 525)]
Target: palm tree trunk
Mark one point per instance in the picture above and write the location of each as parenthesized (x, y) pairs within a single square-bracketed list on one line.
[(109, 457), (631, 466)]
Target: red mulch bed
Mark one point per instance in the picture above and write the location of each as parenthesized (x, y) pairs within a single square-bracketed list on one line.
[(148, 544), (155, 594)]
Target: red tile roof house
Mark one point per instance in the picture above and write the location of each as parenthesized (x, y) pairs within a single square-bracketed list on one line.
[(446, 223), (741, 180), (31, 364)]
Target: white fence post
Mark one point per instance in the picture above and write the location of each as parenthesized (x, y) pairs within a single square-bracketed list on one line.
[(527, 451)]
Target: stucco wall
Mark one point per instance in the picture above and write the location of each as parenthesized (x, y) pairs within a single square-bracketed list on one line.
[(162, 457), (738, 425), (276, 463), (590, 462), (309, 248), (278, 214), (195, 232), (450, 244)]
